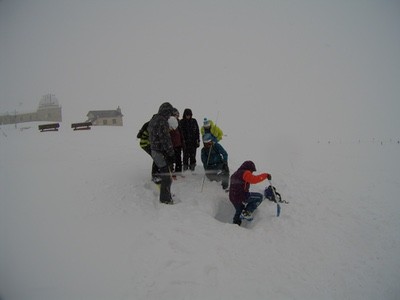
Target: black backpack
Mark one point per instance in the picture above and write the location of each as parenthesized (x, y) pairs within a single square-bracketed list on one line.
[(269, 194), (142, 130)]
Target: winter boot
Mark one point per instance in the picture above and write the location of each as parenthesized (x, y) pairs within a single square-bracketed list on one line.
[(168, 202), (246, 215), (237, 221)]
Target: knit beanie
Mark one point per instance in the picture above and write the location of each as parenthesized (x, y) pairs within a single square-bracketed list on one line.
[(207, 138)]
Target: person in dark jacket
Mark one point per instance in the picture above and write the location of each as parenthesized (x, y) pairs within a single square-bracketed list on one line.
[(162, 150), (244, 201), (144, 143), (215, 161), (191, 136)]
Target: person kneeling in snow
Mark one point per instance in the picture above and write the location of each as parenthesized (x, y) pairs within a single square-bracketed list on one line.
[(215, 161), (245, 202)]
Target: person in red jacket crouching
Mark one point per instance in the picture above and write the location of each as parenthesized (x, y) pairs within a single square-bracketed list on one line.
[(244, 201)]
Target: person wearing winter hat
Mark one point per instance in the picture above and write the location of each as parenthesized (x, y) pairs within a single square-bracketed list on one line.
[(212, 128), (173, 123), (244, 201), (215, 161), (162, 150), (191, 139), (177, 142)]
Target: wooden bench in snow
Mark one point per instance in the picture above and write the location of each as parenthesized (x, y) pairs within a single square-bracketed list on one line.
[(49, 127), (81, 126)]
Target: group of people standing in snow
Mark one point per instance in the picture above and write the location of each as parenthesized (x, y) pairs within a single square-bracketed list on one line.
[(166, 137)]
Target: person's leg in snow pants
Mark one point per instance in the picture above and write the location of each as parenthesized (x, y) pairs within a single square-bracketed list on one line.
[(253, 201)]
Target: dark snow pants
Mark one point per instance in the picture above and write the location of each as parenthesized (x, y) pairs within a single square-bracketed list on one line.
[(165, 174), (165, 187), (219, 174), (189, 158), (253, 200)]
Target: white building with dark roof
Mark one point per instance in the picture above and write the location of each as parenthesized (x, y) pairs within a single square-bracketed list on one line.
[(105, 117)]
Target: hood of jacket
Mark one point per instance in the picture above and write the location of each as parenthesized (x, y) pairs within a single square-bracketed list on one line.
[(248, 165), (166, 109), (187, 112)]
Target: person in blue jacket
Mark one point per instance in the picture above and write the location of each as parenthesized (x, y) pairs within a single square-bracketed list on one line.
[(215, 161)]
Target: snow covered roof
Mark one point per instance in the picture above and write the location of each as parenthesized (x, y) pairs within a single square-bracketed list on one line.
[(105, 113)]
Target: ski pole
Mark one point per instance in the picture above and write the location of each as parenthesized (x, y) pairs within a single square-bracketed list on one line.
[(204, 176), (278, 207)]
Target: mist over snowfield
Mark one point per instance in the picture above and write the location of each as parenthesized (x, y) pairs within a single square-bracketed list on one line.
[(316, 69)]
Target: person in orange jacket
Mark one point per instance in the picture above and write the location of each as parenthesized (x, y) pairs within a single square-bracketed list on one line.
[(244, 201)]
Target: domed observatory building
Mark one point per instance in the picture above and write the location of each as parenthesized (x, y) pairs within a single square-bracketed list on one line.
[(49, 109)]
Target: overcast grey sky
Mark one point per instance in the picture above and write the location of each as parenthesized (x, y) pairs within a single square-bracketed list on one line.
[(320, 68)]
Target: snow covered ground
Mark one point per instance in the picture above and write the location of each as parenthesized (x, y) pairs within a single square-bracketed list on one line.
[(79, 219)]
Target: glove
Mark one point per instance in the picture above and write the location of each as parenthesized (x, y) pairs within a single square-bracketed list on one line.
[(269, 176)]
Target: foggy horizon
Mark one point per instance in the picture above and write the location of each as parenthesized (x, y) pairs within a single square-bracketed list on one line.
[(319, 68)]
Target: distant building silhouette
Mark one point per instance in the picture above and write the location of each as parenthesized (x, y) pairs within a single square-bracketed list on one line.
[(48, 110)]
